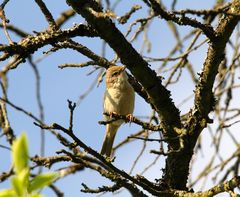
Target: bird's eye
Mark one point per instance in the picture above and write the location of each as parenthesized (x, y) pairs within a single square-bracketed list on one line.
[(115, 74)]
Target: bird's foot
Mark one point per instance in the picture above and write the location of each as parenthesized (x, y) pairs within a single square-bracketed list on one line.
[(130, 118), (111, 114), (109, 159)]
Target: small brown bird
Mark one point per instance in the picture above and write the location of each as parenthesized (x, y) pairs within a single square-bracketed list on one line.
[(119, 98)]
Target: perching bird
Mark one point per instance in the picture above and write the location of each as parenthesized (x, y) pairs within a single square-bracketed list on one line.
[(119, 98)]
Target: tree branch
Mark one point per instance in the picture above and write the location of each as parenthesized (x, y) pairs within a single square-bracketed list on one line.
[(47, 14), (177, 166), (159, 95), (183, 20), (29, 45)]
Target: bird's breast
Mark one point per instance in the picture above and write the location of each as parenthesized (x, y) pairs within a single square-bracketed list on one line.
[(120, 101)]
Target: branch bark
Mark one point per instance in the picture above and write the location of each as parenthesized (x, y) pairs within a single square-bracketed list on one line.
[(159, 95), (177, 165)]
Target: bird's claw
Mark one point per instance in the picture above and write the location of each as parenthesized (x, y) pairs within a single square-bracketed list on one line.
[(130, 118), (111, 114)]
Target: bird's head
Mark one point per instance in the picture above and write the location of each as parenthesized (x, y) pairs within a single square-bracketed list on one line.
[(116, 75)]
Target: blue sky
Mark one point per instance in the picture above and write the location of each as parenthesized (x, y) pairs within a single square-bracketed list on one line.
[(58, 85)]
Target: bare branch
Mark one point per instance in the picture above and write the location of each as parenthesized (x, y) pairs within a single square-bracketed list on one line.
[(183, 20), (47, 14)]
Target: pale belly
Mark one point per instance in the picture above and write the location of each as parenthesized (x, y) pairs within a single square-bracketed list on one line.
[(120, 102)]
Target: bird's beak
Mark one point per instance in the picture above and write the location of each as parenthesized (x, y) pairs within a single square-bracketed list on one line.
[(123, 68)]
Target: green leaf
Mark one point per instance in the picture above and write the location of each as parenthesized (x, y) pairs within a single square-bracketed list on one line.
[(7, 193), (36, 195), (20, 153), (42, 180), (23, 177), (20, 182), (17, 186)]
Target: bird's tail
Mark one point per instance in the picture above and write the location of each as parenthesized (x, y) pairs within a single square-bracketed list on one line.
[(111, 131)]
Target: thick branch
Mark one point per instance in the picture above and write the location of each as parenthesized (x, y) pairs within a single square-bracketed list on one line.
[(204, 98), (30, 44), (177, 166)]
